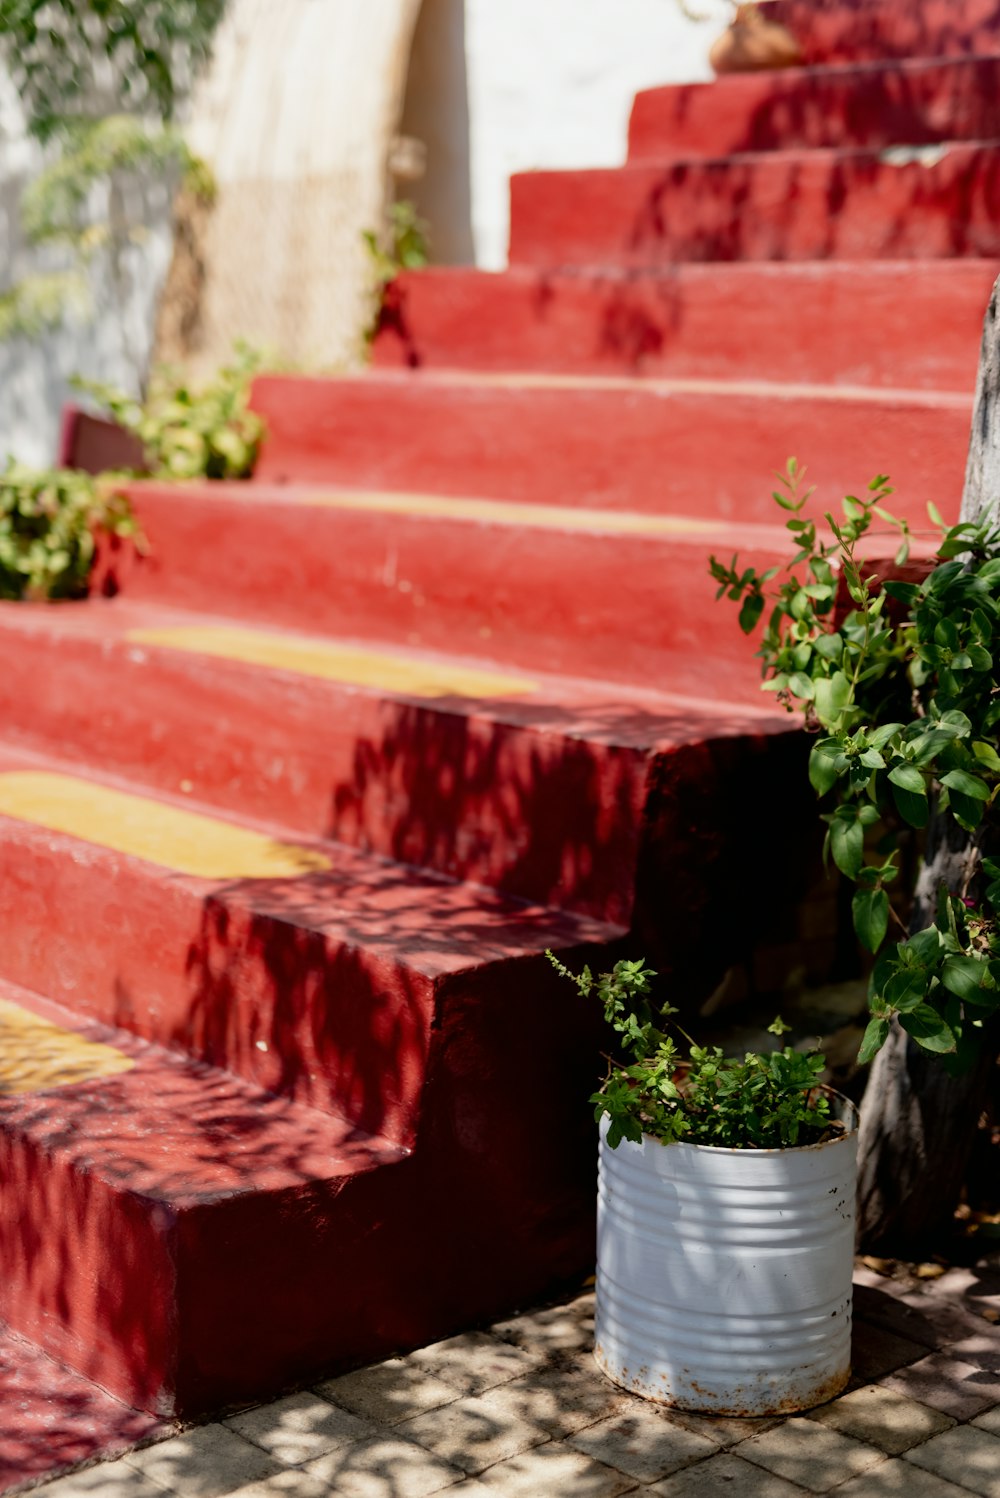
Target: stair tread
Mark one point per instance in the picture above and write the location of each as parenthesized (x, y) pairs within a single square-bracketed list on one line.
[(882, 28), (458, 377), (159, 1124), (572, 706), (843, 68), (432, 924), (676, 528), (790, 155), (860, 105), (52, 1419), (697, 319), (918, 201)]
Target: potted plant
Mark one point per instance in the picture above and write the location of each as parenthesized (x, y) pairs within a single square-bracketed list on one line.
[(725, 1225), (726, 1199), (891, 665)]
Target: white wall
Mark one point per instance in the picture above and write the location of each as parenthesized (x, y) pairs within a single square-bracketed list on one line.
[(551, 84), (112, 346)]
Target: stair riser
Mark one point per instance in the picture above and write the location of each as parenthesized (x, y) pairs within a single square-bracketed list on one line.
[(506, 806), (88, 1273), (868, 108), (838, 31), (615, 608), (191, 1307), (814, 206), (701, 322), (709, 454), (166, 958), (494, 1210)]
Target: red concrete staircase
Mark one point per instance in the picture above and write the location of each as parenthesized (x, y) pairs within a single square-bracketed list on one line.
[(286, 826)]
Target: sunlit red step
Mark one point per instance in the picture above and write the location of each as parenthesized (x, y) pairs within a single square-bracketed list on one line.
[(860, 30), (869, 105), (303, 966), (556, 443), (907, 202), (607, 595), (813, 321), (521, 781)]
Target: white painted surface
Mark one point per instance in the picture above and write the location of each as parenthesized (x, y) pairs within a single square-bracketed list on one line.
[(724, 1276), (296, 116), (551, 85), (112, 346), (295, 119)]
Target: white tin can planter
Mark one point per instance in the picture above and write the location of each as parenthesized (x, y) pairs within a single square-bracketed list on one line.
[(724, 1276)]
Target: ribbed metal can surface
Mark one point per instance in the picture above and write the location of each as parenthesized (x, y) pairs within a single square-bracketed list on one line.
[(724, 1276)]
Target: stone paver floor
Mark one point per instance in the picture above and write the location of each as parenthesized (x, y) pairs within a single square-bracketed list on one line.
[(521, 1409)]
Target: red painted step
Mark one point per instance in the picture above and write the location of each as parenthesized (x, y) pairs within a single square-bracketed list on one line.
[(324, 985), (52, 1419), (639, 445), (868, 105), (831, 31), (619, 605), (540, 793), (700, 321), (911, 203), (189, 1241), (132, 1202)]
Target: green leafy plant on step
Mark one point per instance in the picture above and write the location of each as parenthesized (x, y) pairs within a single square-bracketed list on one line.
[(402, 245), (901, 695), (50, 521), (189, 432), (766, 1100)]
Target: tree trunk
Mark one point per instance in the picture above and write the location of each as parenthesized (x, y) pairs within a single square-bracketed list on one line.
[(918, 1123)]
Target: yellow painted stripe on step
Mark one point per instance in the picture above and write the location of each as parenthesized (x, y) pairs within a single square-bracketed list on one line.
[(36, 1055), (500, 512), (186, 842), (344, 663)]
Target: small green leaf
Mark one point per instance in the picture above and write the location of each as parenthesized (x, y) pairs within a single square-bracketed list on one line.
[(870, 909), (832, 696), (801, 685), (753, 607), (966, 785), (909, 778), (847, 840), (823, 773), (967, 978), (875, 1037), (915, 810), (928, 1029), (986, 755)]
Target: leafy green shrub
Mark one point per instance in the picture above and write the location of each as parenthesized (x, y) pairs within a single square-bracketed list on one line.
[(38, 303), (143, 53), (769, 1100), (189, 433), (402, 247), (57, 208), (49, 521), (901, 695)]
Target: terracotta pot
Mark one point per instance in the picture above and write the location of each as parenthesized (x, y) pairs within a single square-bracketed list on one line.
[(753, 44)]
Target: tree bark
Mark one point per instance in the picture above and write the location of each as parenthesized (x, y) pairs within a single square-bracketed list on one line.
[(918, 1123)]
